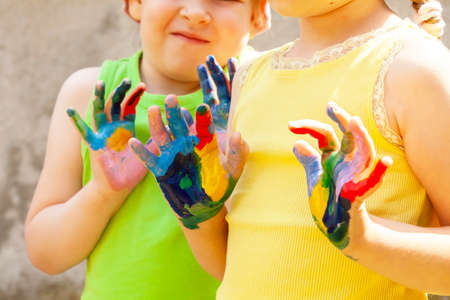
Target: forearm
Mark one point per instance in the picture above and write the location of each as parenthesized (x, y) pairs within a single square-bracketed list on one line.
[(416, 257), (61, 236), (209, 243)]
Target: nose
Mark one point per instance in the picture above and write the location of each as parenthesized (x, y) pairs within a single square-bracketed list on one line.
[(195, 12)]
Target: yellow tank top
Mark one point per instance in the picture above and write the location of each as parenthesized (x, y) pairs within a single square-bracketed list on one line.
[(275, 250)]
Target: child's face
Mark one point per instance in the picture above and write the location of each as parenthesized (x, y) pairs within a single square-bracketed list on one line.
[(306, 8), (178, 35)]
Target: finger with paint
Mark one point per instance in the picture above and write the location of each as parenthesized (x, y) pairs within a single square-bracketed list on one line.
[(204, 126), (310, 159), (113, 105), (334, 178), (232, 68), (220, 105), (128, 106), (220, 79), (159, 133), (98, 105), (236, 156), (323, 133), (178, 126)]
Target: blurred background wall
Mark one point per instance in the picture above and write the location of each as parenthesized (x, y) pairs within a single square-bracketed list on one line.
[(41, 44)]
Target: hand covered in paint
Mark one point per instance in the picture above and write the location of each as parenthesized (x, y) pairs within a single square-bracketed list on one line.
[(187, 165), (218, 99), (114, 164), (338, 180)]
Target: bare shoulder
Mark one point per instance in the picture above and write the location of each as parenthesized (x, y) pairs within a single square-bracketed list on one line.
[(77, 89), (417, 97), (420, 59), (417, 82)]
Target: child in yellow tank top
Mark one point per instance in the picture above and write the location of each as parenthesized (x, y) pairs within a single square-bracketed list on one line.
[(355, 245)]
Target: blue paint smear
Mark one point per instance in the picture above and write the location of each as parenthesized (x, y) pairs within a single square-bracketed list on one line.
[(313, 169), (333, 116)]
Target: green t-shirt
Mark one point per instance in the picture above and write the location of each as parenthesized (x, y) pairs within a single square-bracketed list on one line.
[(143, 253)]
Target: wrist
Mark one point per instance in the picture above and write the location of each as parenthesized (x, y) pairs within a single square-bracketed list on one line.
[(107, 197), (211, 225), (362, 231)]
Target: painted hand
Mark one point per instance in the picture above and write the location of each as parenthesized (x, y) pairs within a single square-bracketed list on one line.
[(114, 123), (338, 180), (187, 165), (218, 99)]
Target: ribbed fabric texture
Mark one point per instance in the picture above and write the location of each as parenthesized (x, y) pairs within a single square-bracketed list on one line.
[(275, 250), (143, 253)]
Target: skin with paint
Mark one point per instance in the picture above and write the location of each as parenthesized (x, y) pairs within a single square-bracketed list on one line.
[(218, 102), (333, 185), (66, 219), (115, 126), (188, 168), (414, 256)]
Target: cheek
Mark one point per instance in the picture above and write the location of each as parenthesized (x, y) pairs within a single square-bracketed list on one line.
[(156, 15), (233, 35)]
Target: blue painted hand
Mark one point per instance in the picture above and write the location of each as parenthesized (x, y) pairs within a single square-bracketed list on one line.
[(186, 165), (114, 125), (218, 99)]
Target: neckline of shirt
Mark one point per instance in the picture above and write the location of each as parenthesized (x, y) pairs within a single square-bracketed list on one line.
[(279, 60), (148, 99)]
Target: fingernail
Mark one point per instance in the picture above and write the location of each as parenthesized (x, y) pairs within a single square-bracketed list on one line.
[(387, 161), (171, 101), (202, 70), (70, 112)]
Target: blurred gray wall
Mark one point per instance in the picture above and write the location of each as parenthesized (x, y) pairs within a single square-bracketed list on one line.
[(41, 44)]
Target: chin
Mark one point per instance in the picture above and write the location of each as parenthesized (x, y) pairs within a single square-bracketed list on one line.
[(183, 71), (306, 9)]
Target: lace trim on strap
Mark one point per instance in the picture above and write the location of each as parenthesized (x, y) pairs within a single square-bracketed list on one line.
[(281, 62), (378, 107), (241, 75)]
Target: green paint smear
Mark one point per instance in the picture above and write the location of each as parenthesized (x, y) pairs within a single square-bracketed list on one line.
[(339, 238), (185, 182), (205, 210)]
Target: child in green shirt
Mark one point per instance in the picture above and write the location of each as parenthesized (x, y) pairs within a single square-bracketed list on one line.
[(100, 205)]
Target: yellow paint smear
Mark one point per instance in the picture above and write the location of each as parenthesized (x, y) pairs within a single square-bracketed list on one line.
[(119, 139), (214, 177)]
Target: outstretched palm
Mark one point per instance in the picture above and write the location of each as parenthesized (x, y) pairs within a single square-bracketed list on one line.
[(187, 166), (114, 123), (336, 182)]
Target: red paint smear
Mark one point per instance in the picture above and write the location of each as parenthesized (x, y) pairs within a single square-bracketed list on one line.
[(130, 108), (228, 85), (323, 142), (202, 124), (351, 190)]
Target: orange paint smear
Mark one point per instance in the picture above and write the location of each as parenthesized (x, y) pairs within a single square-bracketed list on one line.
[(119, 139)]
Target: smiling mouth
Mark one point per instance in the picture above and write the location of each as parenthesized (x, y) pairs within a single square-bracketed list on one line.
[(190, 38)]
